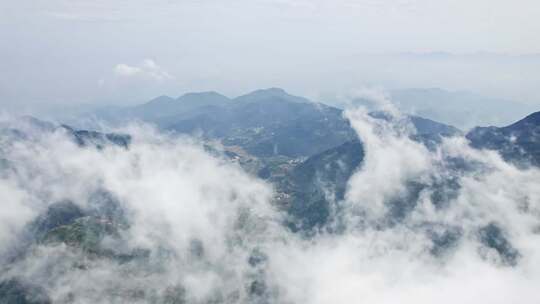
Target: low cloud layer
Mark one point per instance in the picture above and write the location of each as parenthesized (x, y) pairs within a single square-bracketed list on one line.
[(194, 216), (419, 223)]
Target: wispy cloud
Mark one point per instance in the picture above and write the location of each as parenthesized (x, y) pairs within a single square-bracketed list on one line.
[(146, 69)]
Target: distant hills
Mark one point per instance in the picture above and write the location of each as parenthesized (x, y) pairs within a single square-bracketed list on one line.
[(264, 123), (306, 149), (270, 131), (460, 108), (309, 151), (164, 106)]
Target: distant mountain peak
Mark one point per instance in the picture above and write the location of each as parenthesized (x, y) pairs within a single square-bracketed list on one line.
[(274, 90), (265, 94), (163, 106), (161, 99), (205, 94), (268, 92)]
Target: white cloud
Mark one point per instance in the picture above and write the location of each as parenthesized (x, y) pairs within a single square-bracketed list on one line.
[(147, 69), (176, 194)]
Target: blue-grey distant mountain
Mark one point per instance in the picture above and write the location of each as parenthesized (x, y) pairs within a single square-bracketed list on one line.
[(518, 142), (165, 106), (461, 109), (270, 94), (268, 123), (426, 126), (264, 123)]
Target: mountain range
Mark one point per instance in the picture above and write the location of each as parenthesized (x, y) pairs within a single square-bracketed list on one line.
[(308, 150)]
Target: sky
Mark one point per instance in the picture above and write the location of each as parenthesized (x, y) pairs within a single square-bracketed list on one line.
[(70, 53)]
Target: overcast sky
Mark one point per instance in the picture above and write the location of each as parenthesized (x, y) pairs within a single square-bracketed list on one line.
[(122, 52)]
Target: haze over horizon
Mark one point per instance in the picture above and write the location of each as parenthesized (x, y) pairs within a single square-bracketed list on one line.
[(127, 52)]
